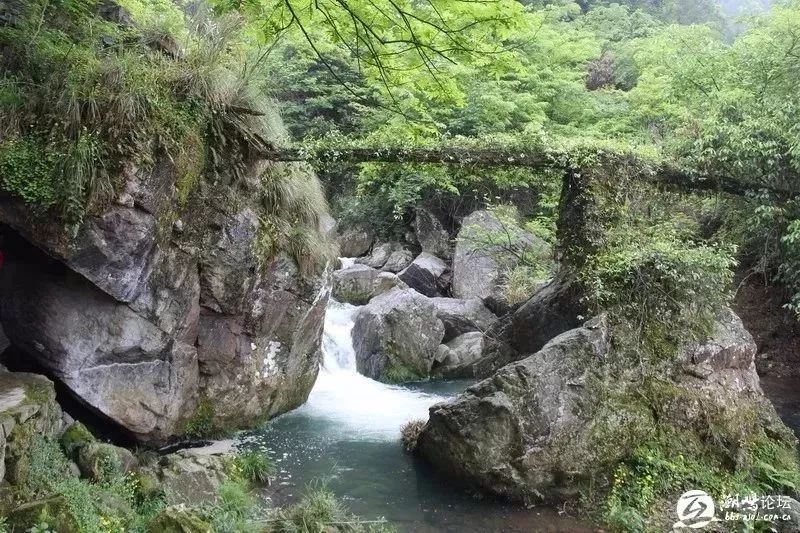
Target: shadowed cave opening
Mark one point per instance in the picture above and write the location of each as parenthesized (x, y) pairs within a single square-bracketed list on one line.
[(18, 253)]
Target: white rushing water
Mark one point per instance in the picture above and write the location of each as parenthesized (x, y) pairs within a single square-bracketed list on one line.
[(357, 406)]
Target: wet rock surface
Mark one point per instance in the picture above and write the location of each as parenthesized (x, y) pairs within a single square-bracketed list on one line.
[(396, 336)]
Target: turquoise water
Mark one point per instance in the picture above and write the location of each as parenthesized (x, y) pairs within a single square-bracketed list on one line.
[(347, 436)]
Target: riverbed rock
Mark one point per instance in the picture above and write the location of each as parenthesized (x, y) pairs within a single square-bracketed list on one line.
[(399, 260), (425, 275), (379, 255), (462, 316), (487, 247), (552, 310), (456, 358), (358, 284), (355, 242), (431, 234), (144, 323), (396, 336), (542, 427)]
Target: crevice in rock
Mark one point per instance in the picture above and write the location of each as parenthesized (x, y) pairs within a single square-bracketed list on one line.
[(15, 360)]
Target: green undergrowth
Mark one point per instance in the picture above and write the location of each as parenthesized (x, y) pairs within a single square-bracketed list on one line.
[(57, 499), (52, 498), (319, 510), (646, 486), (83, 98)]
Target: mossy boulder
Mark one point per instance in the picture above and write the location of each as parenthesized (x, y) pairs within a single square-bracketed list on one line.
[(552, 425), (28, 408), (179, 519), (358, 284), (52, 511), (396, 336), (191, 477), (75, 437), (100, 461)]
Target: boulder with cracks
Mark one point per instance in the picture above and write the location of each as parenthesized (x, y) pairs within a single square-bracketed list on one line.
[(156, 307)]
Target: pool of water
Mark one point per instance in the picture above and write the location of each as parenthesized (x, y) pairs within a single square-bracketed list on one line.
[(347, 436)]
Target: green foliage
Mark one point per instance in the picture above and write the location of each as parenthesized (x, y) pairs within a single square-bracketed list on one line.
[(202, 424), (319, 510), (293, 205), (253, 466), (397, 372), (111, 505), (659, 277), (26, 171), (659, 471), (235, 511), (101, 95)]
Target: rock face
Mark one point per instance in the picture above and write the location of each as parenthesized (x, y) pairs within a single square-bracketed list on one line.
[(355, 242), (462, 316), (431, 234), (395, 336), (541, 427), (425, 275), (145, 319), (456, 358), (483, 255), (358, 284)]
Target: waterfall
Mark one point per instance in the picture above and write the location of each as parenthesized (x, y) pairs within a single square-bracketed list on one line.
[(356, 405)]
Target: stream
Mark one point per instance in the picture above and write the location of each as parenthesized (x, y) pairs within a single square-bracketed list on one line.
[(347, 436)]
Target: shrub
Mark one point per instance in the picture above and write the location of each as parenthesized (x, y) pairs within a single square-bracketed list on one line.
[(658, 279), (319, 510), (253, 466), (409, 434)]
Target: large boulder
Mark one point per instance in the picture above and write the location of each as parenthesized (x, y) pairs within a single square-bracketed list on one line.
[(432, 235), (355, 242), (358, 284), (552, 310), (487, 248), (396, 336), (425, 275), (543, 427), (462, 316), (456, 358), (156, 307)]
